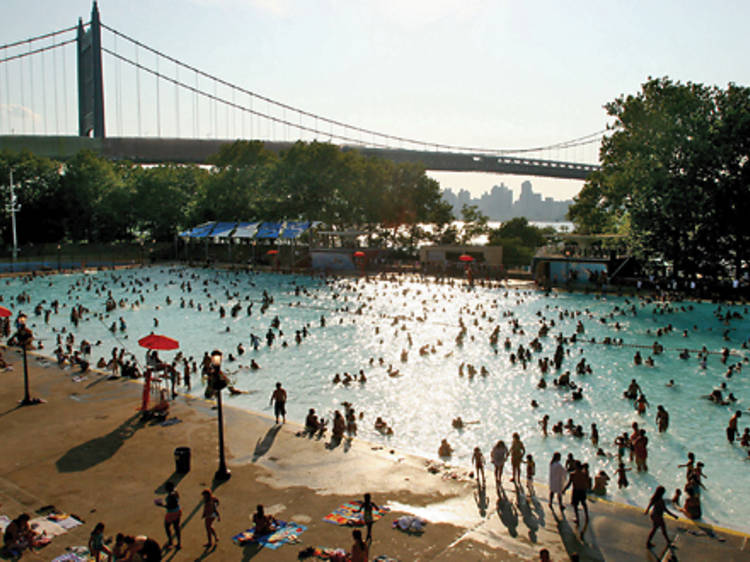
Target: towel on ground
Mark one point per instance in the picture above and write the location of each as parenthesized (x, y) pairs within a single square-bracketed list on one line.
[(284, 533), (333, 554), (410, 524), (65, 520), (349, 514), (45, 527)]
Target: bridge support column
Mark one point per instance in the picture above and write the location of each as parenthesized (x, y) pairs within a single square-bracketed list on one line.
[(90, 83)]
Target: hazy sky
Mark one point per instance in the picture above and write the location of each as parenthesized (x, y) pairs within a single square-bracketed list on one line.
[(497, 74)]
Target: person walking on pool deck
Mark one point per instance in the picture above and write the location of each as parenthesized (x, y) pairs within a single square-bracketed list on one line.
[(557, 475), (478, 460), (499, 454), (278, 398), (172, 517), (517, 451), (210, 513), (579, 479), (96, 543), (658, 509), (366, 508)]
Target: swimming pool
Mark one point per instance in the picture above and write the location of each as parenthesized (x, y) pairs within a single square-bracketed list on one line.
[(376, 319)]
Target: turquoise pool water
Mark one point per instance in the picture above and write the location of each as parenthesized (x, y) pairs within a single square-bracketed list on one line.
[(376, 319)]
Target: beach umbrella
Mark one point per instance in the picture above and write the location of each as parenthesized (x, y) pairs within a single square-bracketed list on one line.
[(156, 341), (5, 313), (272, 252), (465, 257), (359, 254)]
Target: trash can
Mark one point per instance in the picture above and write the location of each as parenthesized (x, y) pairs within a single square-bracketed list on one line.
[(182, 460)]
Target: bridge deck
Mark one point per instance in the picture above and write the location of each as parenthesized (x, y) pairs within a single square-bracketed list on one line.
[(160, 150)]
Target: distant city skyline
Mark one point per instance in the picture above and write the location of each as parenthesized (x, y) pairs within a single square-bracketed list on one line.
[(499, 203)]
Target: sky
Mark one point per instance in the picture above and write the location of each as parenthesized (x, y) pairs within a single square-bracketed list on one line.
[(495, 74)]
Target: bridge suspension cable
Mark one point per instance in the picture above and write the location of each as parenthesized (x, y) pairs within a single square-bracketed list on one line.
[(37, 51), (39, 37), (385, 140)]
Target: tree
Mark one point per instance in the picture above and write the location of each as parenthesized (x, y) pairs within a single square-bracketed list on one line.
[(475, 223), (38, 191), (674, 176), (519, 227), (163, 198)]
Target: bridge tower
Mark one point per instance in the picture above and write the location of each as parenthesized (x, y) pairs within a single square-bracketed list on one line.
[(90, 83)]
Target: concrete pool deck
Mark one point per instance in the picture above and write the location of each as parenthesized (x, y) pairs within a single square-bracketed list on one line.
[(86, 453)]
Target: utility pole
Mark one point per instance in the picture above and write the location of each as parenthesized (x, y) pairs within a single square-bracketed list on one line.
[(13, 207)]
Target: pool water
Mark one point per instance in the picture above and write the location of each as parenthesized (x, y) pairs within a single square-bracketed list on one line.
[(377, 318)]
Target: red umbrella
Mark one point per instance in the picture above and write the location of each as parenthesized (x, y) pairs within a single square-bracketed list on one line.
[(359, 254), (272, 252), (5, 313), (465, 257), (156, 341)]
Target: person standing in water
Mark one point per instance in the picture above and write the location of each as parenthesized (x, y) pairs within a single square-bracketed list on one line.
[(278, 398)]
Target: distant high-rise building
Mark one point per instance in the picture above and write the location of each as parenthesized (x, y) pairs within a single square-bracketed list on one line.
[(498, 204)]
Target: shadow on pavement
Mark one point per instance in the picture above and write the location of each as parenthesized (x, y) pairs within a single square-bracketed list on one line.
[(97, 450), (507, 513), (263, 446)]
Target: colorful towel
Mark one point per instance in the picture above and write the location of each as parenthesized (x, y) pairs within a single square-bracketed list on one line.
[(284, 533), (335, 554), (349, 514), (384, 558)]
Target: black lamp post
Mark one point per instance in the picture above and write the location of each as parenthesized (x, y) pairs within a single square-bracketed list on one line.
[(23, 338), (59, 248), (218, 383)]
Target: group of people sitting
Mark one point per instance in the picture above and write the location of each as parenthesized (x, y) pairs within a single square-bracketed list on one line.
[(18, 536)]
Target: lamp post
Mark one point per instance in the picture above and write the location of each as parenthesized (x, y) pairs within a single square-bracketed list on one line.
[(59, 248), (13, 207), (218, 383), (23, 338)]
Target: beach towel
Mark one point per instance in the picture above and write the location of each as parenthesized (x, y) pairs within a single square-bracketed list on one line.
[(65, 520), (334, 554), (284, 533), (170, 421), (45, 527), (348, 514), (76, 554), (384, 558)]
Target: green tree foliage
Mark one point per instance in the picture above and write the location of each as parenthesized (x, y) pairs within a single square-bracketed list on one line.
[(38, 190), (165, 197), (674, 176), (89, 198), (475, 223), (519, 227), (519, 240)]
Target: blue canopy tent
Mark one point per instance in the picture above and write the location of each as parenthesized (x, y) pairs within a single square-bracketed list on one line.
[(295, 229), (246, 230), (200, 231), (269, 230), (223, 229)]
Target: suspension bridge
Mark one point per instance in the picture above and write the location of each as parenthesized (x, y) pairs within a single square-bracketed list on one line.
[(162, 109)]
